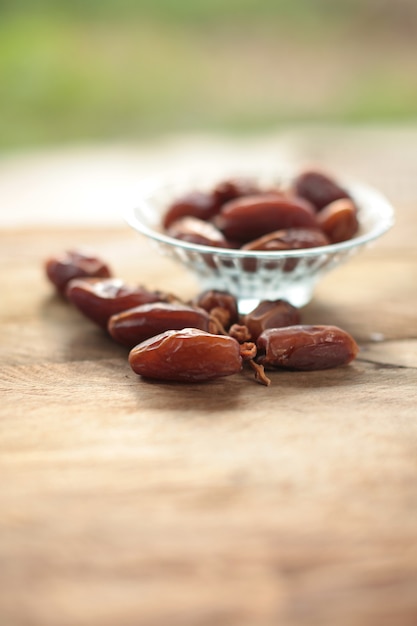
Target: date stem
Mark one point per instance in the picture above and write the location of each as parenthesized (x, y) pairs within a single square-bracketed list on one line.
[(260, 375)]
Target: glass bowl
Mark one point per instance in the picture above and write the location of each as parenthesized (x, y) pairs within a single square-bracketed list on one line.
[(252, 276)]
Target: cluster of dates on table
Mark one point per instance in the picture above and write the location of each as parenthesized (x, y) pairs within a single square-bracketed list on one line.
[(198, 340)]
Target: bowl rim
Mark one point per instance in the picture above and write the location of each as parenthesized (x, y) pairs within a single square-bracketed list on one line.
[(355, 188)]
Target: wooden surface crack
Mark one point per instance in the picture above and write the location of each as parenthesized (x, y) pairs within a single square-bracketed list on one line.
[(383, 365)]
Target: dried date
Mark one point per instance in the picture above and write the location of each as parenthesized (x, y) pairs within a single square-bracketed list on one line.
[(338, 220), (248, 218), (220, 304), (286, 239), (200, 204), (289, 239), (195, 230), (100, 299), (318, 188), (74, 264), (133, 326), (303, 347), (187, 355), (271, 314), (233, 188)]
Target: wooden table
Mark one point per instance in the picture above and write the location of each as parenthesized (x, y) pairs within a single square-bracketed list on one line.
[(125, 502)]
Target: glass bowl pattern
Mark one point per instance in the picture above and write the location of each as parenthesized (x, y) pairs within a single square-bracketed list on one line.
[(252, 276)]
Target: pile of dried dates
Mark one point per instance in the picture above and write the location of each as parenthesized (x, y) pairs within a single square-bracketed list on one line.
[(199, 340), (312, 210)]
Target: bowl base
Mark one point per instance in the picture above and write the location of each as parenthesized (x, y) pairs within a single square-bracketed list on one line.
[(296, 294)]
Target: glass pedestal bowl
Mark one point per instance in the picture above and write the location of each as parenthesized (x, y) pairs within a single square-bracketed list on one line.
[(252, 276)]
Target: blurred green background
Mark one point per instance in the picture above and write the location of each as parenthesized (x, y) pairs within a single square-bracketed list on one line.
[(95, 70)]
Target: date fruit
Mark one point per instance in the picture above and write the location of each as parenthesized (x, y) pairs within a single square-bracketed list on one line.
[(233, 188), (188, 355), (218, 303), (271, 314), (318, 188), (289, 239), (303, 347), (134, 325), (74, 264), (286, 239), (195, 230), (200, 204), (339, 220), (100, 299), (248, 218)]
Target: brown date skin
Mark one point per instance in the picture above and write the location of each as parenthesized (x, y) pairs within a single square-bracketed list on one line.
[(74, 264), (204, 205), (270, 314), (100, 299), (233, 188), (303, 347), (289, 239), (213, 299), (195, 230), (339, 220), (286, 239), (189, 355), (147, 320), (200, 204), (248, 218), (318, 188)]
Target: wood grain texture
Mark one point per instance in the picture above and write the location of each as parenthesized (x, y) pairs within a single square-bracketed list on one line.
[(129, 502)]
